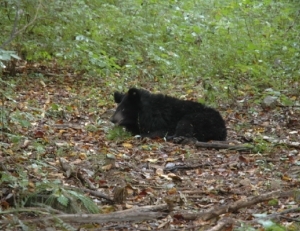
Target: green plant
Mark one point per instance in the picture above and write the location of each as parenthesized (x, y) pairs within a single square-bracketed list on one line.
[(261, 145), (6, 56), (54, 195), (244, 227), (268, 224), (225, 43), (119, 133)]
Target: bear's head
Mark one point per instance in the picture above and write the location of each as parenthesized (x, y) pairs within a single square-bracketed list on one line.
[(118, 97), (126, 114)]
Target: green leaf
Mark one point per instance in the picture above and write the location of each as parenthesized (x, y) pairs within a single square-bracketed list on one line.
[(63, 200), (54, 106)]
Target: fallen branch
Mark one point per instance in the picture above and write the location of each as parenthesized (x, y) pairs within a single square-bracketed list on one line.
[(219, 145), (98, 194), (70, 170), (280, 214), (217, 211), (134, 214), (282, 142), (222, 224), (184, 167)]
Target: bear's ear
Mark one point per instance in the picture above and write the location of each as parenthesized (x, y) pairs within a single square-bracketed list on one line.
[(134, 94), (118, 97)]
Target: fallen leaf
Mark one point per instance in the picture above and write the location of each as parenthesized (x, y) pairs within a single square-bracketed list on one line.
[(127, 145)]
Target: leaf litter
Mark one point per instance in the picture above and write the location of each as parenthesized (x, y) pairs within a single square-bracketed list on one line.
[(59, 128)]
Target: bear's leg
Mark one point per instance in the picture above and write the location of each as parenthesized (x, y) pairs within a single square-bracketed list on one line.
[(184, 132), (184, 128), (205, 126), (155, 134)]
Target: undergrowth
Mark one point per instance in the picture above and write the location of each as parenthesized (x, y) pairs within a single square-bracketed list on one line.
[(230, 44)]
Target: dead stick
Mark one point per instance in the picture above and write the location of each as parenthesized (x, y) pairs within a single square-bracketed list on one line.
[(134, 214), (223, 146), (223, 223), (216, 211)]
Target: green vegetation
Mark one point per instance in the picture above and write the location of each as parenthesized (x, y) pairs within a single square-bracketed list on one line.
[(224, 42), (118, 133)]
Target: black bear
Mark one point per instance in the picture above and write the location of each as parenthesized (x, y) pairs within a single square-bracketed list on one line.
[(158, 115)]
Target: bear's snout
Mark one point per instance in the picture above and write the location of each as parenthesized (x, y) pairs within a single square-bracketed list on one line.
[(116, 118)]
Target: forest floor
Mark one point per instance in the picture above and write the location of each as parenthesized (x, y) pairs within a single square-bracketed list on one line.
[(61, 127)]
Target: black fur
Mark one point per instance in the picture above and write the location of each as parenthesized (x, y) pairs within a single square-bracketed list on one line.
[(157, 115)]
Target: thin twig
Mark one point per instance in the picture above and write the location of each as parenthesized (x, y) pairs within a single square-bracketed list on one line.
[(14, 33)]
